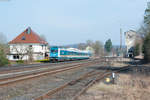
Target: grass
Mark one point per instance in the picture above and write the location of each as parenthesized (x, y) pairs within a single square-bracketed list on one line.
[(43, 60), (103, 87), (127, 87)]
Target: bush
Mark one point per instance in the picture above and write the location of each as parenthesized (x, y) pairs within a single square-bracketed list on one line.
[(43, 60), (20, 61), (3, 59)]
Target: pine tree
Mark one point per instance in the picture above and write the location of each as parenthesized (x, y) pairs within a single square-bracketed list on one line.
[(146, 47), (108, 45), (137, 49)]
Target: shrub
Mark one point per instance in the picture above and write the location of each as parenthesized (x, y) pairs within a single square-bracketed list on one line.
[(43, 60), (3, 59), (20, 61)]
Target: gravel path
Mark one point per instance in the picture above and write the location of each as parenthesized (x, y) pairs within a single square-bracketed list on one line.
[(27, 90), (7, 69)]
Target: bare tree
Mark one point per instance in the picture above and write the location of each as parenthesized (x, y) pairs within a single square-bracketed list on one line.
[(82, 46), (98, 48), (3, 42), (3, 50), (3, 38), (144, 33), (89, 43), (23, 51), (20, 52), (30, 54), (43, 37)]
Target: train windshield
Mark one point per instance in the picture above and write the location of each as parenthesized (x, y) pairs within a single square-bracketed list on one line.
[(54, 51)]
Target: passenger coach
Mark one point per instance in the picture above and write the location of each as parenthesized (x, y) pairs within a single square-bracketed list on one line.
[(63, 54)]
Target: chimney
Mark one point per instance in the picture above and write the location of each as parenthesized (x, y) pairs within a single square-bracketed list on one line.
[(28, 30)]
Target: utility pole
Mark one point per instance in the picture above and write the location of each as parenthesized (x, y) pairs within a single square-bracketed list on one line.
[(120, 39)]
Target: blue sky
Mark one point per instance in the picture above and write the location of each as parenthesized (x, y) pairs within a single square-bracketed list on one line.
[(71, 21)]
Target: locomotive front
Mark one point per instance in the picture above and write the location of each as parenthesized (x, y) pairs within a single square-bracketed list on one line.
[(54, 54)]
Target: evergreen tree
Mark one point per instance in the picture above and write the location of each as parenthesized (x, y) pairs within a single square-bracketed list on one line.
[(146, 47), (136, 49), (145, 34), (108, 45)]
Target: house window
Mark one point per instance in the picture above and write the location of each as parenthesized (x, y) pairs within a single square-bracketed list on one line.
[(30, 46), (23, 38), (15, 56)]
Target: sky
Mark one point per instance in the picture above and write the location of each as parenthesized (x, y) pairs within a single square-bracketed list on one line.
[(65, 22)]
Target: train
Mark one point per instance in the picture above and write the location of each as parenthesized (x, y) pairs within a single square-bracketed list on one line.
[(67, 54)]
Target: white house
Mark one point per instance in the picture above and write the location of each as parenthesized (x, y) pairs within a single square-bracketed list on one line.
[(28, 45)]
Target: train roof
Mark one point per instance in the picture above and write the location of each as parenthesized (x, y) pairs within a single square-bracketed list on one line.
[(71, 49)]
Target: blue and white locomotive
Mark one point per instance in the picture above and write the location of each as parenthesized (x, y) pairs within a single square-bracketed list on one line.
[(63, 54)]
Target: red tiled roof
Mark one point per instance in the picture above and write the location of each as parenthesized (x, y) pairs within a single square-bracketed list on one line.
[(26, 37)]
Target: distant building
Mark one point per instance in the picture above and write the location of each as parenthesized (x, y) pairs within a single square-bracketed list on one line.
[(90, 49), (130, 37), (28, 45)]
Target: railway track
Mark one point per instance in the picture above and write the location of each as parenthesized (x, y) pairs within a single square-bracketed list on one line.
[(20, 68), (43, 82), (98, 79), (73, 89), (21, 77), (65, 90)]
